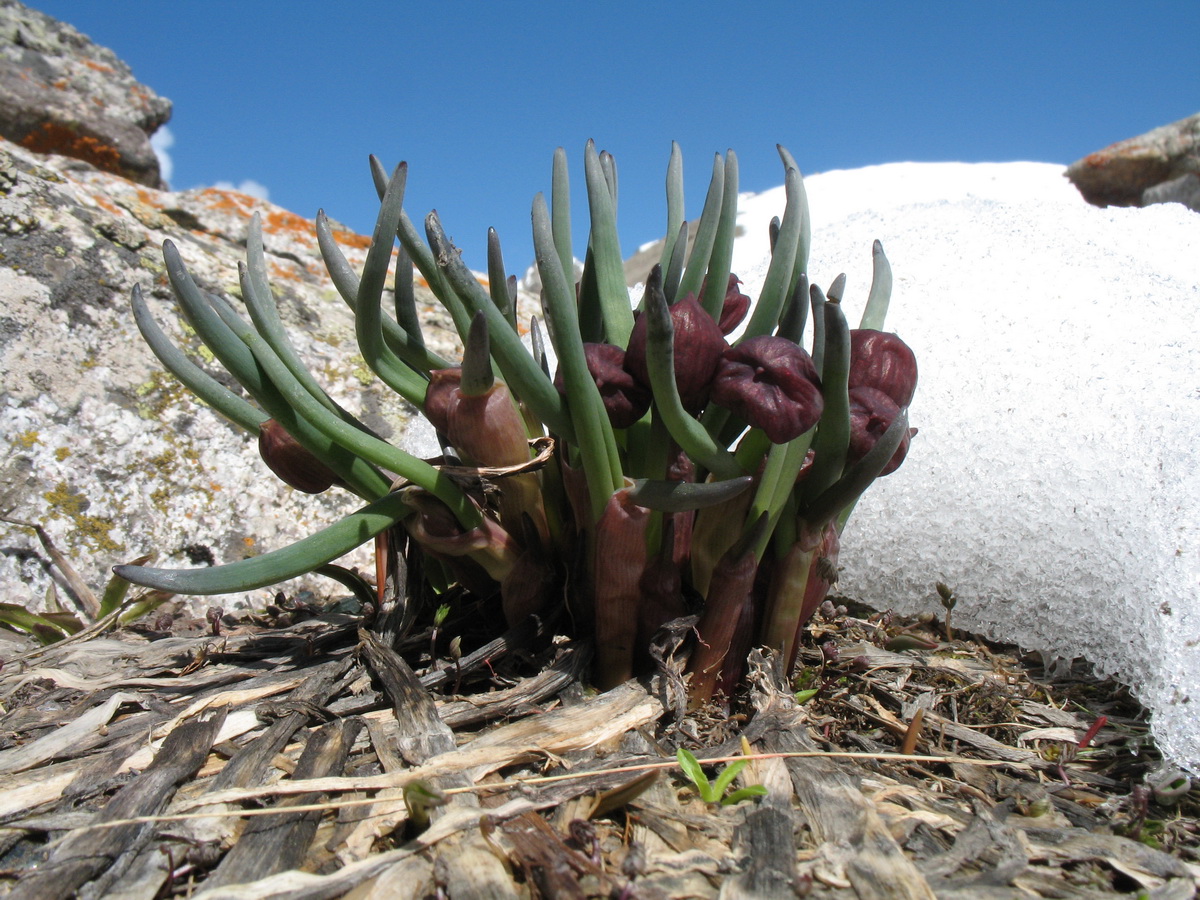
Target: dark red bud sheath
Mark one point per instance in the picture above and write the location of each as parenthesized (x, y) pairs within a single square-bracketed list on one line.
[(291, 461), (439, 396), (772, 384), (625, 398), (698, 347), (735, 308), (880, 360), (871, 412), (486, 428)]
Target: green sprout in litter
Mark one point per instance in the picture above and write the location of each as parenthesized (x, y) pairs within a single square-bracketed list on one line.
[(714, 792), (694, 453)]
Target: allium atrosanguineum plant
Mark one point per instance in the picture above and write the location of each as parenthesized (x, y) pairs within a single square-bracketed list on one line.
[(665, 468)]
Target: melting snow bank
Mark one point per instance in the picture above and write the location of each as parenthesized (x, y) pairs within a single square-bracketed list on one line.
[(1054, 482)]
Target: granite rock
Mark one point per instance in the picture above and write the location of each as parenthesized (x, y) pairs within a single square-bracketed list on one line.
[(102, 447), (1123, 173), (65, 95)]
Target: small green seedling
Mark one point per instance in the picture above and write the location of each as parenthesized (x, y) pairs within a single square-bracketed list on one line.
[(714, 792)]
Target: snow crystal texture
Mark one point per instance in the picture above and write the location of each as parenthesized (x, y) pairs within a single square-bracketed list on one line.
[(1054, 482)]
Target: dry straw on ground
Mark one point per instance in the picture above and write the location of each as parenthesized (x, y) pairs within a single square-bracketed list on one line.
[(273, 760)]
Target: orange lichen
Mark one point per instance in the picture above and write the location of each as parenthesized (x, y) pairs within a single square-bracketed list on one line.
[(350, 239), (281, 220), (52, 137), (107, 205), (228, 201), (99, 67)]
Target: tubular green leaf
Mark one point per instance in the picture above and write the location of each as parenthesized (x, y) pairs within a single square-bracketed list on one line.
[(674, 267), (358, 442), (423, 259), (721, 258), (560, 211), (784, 462), (477, 377), (881, 290), (232, 353), (688, 433), (606, 252), (804, 240), (795, 314), (498, 280), (777, 285), (195, 379), (409, 346), (405, 296), (522, 375), (368, 315), (684, 496), (674, 212), (847, 489), (266, 321), (833, 431), (593, 432), (279, 565), (706, 232)]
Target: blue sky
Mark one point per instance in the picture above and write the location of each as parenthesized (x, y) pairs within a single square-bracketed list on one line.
[(476, 95)]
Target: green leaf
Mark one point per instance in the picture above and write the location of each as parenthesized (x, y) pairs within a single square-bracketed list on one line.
[(684, 496), (725, 779), (593, 431), (279, 565), (806, 695), (674, 214), (833, 431), (881, 290), (721, 257), (116, 590), (406, 342), (691, 768), (606, 251), (754, 790), (660, 363), (195, 379), (706, 232), (522, 374), (560, 211), (777, 285)]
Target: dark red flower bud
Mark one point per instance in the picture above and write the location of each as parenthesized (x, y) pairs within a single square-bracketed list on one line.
[(291, 461), (880, 360), (698, 346), (735, 308), (625, 399), (772, 384), (871, 412)]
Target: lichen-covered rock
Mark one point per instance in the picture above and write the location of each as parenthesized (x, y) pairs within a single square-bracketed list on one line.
[(62, 94), (101, 446), (1121, 174)]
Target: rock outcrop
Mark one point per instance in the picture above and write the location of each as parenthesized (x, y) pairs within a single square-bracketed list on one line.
[(63, 94), (1160, 166), (102, 447)]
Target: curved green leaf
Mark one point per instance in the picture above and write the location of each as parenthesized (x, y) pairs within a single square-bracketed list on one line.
[(296, 559)]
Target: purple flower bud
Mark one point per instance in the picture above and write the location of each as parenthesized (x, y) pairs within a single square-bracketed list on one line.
[(291, 461), (698, 347), (880, 360), (625, 399), (871, 412), (772, 384), (736, 306)]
